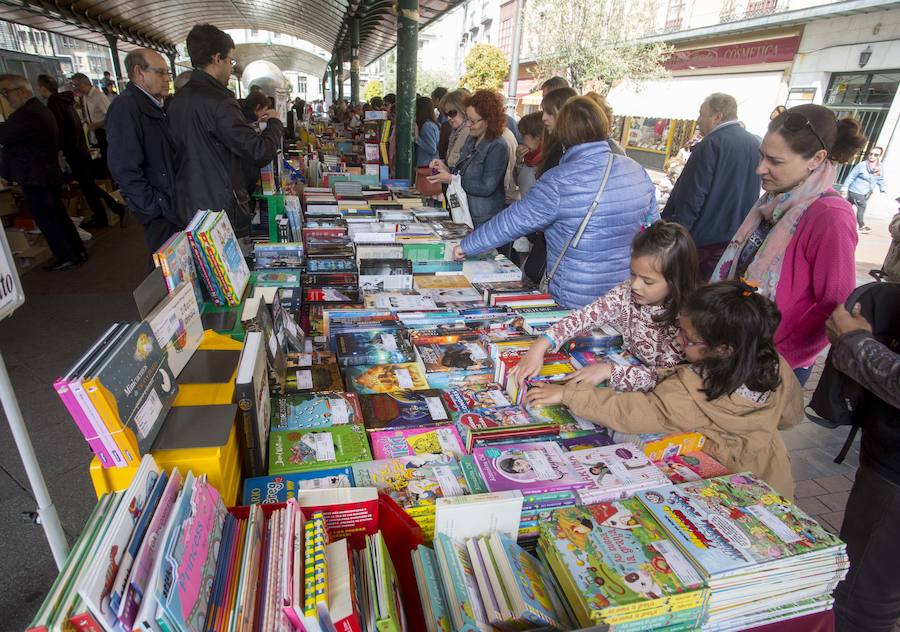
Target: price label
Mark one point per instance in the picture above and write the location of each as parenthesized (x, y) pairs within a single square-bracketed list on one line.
[(436, 408), (324, 446), (340, 412), (540, 464), (389, 342), (304, 380), (11, 294), (404, 379)]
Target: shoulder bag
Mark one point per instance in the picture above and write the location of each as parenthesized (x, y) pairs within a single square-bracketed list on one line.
[(574, 239)]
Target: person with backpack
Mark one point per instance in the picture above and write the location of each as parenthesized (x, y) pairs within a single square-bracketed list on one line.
[(868, 600)]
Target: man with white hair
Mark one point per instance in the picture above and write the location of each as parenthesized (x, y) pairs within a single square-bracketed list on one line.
[(30, 158), (718, 185), (140, 148)]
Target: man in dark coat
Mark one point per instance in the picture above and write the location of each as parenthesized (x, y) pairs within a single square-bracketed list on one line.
[(140, 147), (74, 147), (30, 158), (719, 185), (212, 140)]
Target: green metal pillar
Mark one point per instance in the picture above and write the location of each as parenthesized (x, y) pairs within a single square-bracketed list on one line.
[(117, 66), (407, 51), (331, 76), (340, 75), (354, 59), (172, 67)]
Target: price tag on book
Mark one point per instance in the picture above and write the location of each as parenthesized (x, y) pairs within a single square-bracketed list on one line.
[(11, 294), (324, 446), (304, 380), (436, 408), (389, 342), (540, 465), (340, 412), (404, 379)]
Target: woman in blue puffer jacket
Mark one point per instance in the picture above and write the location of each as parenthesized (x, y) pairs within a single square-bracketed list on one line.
[(559, 200)]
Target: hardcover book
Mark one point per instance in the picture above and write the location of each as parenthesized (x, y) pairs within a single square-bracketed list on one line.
[(615, 471), (471, 397), (303, 450), (251, 392), (280, 488), (414, 482), (390, 444), (452, 353), (305, 411), (689, 467), (316, 378), (177, 326), (385, 378), (382, 346), (403, 409), (177, 263), (529, 467)]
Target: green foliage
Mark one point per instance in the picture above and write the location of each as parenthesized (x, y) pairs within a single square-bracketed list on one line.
[(374, 88), (486, 68), (594, 41), (427, 79)]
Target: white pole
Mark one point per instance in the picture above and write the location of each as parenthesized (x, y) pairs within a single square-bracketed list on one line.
[(46, 511), (514, 63)]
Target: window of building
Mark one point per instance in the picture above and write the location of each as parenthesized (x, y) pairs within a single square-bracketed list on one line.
[(254, 33), (486, 32), (863, 89), (674, 15), (756, 8), (301, 85), (506, 36)]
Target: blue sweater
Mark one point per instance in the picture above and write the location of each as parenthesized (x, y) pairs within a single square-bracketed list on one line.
[(718, 186), (427, 143), (557, 203)]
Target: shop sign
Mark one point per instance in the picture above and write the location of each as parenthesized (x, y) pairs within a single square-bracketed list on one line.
[(770, 51)]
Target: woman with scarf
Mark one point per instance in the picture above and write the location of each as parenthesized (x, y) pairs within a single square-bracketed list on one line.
[(798, 241)]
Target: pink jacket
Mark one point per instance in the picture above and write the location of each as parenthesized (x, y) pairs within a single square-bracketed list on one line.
[(818, 274)]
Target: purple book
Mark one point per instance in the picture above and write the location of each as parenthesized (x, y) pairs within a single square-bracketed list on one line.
[(529, 467)]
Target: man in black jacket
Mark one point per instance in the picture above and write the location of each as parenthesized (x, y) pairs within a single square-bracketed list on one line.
[(212, 139), (30, 157), (140, 146), (718, 185), (74, 147)]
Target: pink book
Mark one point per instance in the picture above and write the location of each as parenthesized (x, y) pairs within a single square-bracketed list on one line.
[(692, 466), (392, 444), (82, 421), (532, 468)]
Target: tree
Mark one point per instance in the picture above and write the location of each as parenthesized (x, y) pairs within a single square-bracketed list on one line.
[(427, 79), (594, 40), (374, 88), (486, 68)]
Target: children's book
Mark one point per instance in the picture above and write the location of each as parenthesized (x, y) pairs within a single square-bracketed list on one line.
[(385, 378), (414, 482), (304, 411), (225, 256), (303, 450), (526, 582), (615, 471), (315, 378), (389, 444), (177, 263), (431, 590), (177, 326), (462, 399), (466, 607), (403, 409), (372, 347), (251, 392), (529, 467), (691, 466), (596, 439), (279, 488), (454, 352)]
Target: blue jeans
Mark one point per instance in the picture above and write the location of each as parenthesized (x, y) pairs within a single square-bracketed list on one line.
[(803, 374)]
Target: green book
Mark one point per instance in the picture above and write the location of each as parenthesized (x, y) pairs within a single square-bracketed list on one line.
[(304, 450)]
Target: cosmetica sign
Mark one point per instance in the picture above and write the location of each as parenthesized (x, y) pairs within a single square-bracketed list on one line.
[(769, 51)]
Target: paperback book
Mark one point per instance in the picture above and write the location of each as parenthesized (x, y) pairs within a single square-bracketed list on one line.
[(304, 450)]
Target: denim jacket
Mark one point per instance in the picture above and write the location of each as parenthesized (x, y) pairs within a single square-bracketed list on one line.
[(482, 168)]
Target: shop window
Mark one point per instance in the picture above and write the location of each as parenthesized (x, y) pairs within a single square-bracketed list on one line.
[(799, 96), (874, 89)]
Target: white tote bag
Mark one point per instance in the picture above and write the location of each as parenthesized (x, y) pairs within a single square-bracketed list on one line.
[(459, 202)]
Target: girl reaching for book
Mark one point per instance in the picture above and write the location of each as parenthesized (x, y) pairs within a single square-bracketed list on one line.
[(644, 308), (736, 390)]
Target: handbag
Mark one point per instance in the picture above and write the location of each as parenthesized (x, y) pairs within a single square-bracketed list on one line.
[(576, 237), (458, 202), (423, 186)]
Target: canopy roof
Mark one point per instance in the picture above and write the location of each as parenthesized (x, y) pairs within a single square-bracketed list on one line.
[(285, 57), (162, 24)]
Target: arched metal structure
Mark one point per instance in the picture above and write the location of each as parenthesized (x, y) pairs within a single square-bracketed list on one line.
[(287, 58)]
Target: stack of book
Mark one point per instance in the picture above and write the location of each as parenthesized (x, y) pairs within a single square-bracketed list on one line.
[(218, 257)]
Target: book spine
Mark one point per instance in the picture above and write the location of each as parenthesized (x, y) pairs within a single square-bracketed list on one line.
[(106, 407), (97, 424), (218, 268), (205, 272), (246, 400), (83, 423)]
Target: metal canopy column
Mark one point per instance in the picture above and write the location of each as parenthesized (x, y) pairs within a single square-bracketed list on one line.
[(172, 67), (117, 66), (407, 51), (331, 77), (340, 75), (354, 59), (514, 65)]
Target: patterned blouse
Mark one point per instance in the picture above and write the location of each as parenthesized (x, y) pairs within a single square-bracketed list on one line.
[(652, 343)]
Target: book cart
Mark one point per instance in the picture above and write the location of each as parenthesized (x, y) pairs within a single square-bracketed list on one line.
[(246, 378)]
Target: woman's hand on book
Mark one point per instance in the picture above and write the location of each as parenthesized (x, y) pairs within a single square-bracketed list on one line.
[(543, 394), (592, 374), (531, 363)]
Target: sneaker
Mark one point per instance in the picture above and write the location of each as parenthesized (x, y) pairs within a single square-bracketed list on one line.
[(865, 230)]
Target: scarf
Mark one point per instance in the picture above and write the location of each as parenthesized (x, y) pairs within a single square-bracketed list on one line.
[(533, 158), (784, 211)]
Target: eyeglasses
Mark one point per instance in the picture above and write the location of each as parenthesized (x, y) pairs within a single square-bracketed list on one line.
[(160, 71), (474, 121), (794, 122), (875, 154), (687, 342)]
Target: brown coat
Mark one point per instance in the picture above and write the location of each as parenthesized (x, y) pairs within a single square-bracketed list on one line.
[(742, 434)]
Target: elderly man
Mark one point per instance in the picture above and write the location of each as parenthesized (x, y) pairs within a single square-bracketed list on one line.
[(213, 142), (719, 184), (94, 105), (30, 157), (140, 148)]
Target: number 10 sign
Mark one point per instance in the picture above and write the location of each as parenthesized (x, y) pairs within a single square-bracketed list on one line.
[(11, 294)]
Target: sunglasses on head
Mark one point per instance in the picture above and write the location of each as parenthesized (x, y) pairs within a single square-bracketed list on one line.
[(795, 122)]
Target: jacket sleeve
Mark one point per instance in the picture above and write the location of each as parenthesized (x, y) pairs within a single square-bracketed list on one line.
[(427, 140), (126, 159), (606, 309), (535, 211), (23, 128), (854, 174), (692, 187), (485, 182), (669, 408), (236, 134), (872, 364), (879, 180)]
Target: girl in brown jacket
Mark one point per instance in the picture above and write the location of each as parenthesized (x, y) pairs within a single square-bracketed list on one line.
[(736, 390)]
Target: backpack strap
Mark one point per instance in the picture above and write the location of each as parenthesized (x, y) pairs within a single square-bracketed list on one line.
[(851, 436)]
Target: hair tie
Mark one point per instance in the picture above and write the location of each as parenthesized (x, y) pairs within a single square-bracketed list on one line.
[(748, 288)]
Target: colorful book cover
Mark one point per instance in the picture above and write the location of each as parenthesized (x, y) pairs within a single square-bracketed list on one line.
[(403, 409), (440, 281), (214, 258), (390, 444), (614, 555), (177, 262), (529, 467), (615, 471), (305, 411), (530, 597), (201, 260), (735, 521), (455, 352), (228, 255), (372, 347), (463, 399), (462, 587), (431, 587), (585, 442), (385, 378), (303, 450), (276, 278), (177, 326), (692, 466), (280, 488), (415, 481), (316, 378)]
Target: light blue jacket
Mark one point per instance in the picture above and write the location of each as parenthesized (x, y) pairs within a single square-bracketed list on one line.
[(862, 181), (557, 204), (427, 143)]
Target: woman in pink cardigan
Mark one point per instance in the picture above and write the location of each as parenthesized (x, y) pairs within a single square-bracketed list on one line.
[(798, 241)]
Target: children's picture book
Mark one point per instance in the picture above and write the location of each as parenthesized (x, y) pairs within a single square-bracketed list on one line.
[(403, 409), (373, 347), (414, 482), (431, 590), (615, 471), (280, 488), (466, 398), (596, 439), (529, 467), (177, 326), (527, 584), (385, 378), (691, 466), (225, 255), (177, 263), (303, 450), (390, 444), (304, 411)]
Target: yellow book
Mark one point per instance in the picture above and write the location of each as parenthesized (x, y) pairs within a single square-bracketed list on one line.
[(440, 281)]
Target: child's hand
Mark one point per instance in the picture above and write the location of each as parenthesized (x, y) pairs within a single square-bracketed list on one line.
[(544, 395), (531, 363), (592, 374)]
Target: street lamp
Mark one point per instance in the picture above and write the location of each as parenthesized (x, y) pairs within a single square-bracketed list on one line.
[(865, 56)]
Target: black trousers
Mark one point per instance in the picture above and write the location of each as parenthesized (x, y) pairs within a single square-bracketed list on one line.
[(93, 194), (859, 201), (157, 231), (868, 600), (45, 204)]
